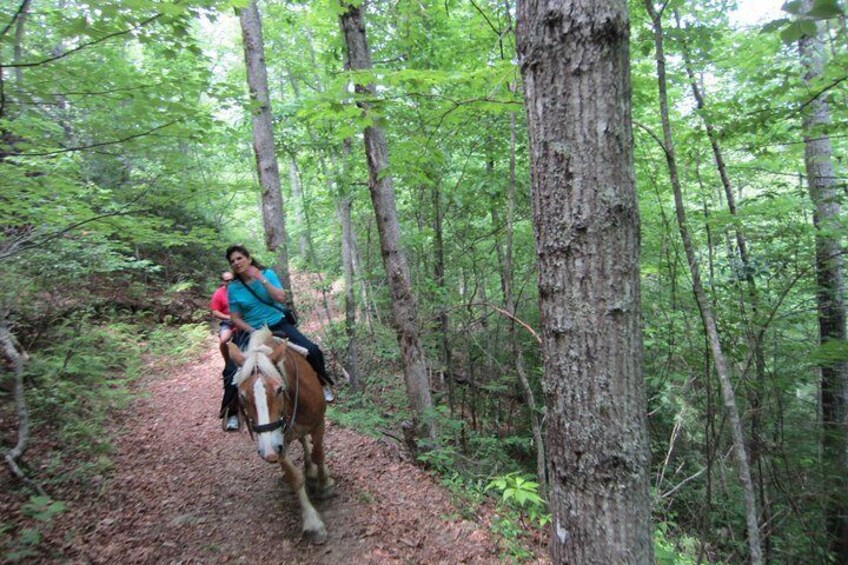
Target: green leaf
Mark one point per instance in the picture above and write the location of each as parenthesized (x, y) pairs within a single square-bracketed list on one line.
[(794, 7), (791, 33), (808, 28), (825, 9), (773, 26)]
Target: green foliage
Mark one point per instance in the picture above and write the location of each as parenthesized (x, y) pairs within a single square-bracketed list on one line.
[(177, 343), (522, 494), (126, 167), (23, 545), (363, 419), (682, 550), (43, 508)]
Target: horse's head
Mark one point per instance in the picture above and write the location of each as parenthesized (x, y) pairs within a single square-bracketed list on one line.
[(262, 392)]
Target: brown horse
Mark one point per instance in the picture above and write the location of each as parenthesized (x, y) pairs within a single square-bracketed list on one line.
[(281, 400)]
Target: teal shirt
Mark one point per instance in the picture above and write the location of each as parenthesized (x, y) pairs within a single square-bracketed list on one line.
[(252, 311)]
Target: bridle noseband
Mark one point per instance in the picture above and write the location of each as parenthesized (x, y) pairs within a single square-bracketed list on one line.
[(270, 427)]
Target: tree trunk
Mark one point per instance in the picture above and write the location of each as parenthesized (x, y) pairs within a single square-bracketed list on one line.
[(273, 213), (343, 206), (17, 51), (830, 278), (404, 306), (304, 247), (755, 343), (587, 244), (445, 361), (707, 317)]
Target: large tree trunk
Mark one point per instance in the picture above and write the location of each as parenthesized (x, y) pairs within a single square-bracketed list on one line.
[(707, 317), (830, 278), (273, 213), (404, 306), (587, 243)]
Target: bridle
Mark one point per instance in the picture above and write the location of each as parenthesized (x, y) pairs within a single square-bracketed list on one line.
[(283, 423)]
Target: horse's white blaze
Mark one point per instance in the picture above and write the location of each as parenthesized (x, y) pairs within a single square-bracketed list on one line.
[(267, 442)]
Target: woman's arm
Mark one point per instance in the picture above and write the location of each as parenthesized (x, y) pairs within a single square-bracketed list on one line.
[(274, 291), (239, 323)]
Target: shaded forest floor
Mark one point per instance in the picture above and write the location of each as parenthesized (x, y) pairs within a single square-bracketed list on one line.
[(184, 491)]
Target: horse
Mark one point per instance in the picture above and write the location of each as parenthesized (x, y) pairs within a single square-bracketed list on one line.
[(281, 400)]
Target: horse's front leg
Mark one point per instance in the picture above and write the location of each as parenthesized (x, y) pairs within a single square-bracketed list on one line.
[(309, 468), (313, 526), (326, 485)]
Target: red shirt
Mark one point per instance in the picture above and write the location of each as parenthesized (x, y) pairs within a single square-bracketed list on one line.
[(219, 301)]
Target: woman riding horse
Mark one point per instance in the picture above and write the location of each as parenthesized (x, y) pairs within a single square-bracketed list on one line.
[(256, 299)]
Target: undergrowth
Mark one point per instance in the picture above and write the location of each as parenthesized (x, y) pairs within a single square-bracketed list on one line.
[(75, 381), (475, 468)]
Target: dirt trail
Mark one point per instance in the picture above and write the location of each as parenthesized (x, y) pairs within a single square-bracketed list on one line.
[(183, 491)]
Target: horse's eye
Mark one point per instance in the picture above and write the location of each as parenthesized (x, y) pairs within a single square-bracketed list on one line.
[(279, 391), (242, 397)]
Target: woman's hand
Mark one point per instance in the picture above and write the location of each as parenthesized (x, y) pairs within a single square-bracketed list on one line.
[(253, 273)]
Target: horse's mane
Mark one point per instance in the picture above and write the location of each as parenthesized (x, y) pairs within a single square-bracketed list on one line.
[(257, 356)]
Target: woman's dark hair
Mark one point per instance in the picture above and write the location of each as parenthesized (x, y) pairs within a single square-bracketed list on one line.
[(243, 250)]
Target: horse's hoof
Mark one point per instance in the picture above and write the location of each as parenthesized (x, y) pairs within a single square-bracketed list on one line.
[(325, 492), (316, 537)]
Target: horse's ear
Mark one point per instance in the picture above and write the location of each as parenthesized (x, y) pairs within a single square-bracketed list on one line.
[(279, 351), (235, 354)]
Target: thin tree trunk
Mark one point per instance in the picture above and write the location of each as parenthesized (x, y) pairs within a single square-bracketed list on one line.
[(17, 52), (273, 213), (752, 334), (830, 278), (587, 244), (343, 207), (446, 361), (303, 246), (512, 304), (404, 306), (707, 317)]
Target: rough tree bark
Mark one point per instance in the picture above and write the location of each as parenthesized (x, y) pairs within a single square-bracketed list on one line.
[(575, 63), (830, 279), (404, 304), (707, 317), (273, 213)]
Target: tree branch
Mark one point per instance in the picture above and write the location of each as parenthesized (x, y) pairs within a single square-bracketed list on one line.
[(84, 45), (101, 144), (506, 314), (21, 9), (12, 457), (818, 95), (21, 246)]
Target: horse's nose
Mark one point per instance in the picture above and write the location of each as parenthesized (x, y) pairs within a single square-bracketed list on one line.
[(270, 456)]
